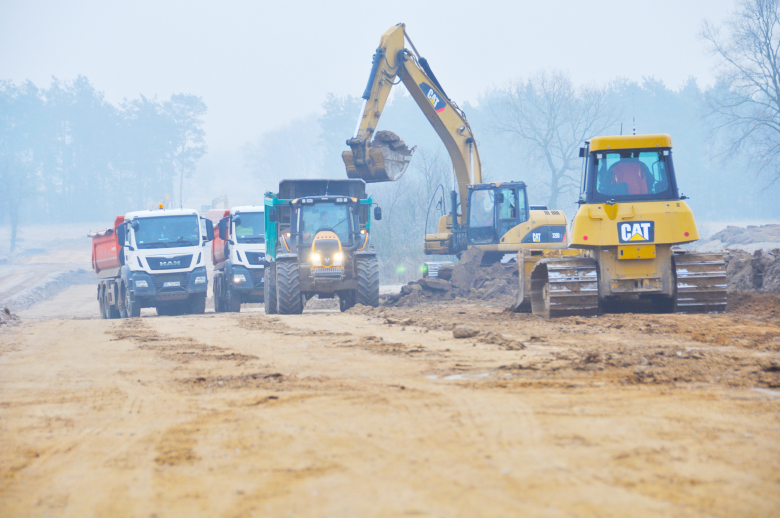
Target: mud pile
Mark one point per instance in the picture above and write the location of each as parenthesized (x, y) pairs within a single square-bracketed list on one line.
[(389, 139), (750, 239), (465, 280), (7, 318), (758, 272)]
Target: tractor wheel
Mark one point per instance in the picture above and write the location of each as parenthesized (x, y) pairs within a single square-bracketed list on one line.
[(368, 281), (269, 289), (288, 286)]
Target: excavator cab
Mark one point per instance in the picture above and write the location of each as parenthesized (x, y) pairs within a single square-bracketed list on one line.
[(494, 209)]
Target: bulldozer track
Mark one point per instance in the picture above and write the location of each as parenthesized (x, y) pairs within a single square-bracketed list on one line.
[(565, 287), (701, 283)]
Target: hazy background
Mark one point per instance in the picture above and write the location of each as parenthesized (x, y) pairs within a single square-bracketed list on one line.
[(234, 96)]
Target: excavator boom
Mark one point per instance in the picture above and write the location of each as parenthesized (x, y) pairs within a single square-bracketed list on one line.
[(386, 157)]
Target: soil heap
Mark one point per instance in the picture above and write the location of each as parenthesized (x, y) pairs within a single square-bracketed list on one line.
[(758, 272), (465, 280), (7, 318), (750, 238)]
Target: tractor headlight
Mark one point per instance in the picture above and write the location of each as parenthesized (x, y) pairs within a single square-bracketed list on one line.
[(141, 284), (316, 260), (338, 259), (200, 280), (239, 278)]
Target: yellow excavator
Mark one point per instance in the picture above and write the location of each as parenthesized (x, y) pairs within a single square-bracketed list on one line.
[(495, 217), (623, 241)]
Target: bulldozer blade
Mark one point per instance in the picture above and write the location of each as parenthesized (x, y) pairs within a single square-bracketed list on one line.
[(382, 165)]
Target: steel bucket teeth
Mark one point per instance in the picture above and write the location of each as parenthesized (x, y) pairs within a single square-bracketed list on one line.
[(383, 165), (701, 283), (565, 288)]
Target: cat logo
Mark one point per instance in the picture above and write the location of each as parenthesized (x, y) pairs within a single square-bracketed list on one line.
[(537, 237), (636, 232), (436, 101)]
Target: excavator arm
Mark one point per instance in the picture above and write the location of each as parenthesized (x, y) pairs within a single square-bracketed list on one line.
[(386, 158)]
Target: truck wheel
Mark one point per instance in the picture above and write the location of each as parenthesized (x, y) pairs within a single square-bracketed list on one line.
[(217, 292), (132, 307), (102, 303), (288, 286), (111, 310), (196, 305), (121, 301), (233, 301), (269, 289), (368, 281)]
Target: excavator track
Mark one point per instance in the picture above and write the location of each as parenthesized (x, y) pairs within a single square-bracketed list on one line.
[(701, 283), (565, 287)]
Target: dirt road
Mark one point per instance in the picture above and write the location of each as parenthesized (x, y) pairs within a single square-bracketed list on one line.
[(381, 412)]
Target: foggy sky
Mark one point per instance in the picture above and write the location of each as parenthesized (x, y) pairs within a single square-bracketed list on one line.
[(259, 64)]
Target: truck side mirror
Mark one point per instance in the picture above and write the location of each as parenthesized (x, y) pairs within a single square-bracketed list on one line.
[(209, 230), (272, 214), (222, 225), (378, 213), (237, 220), (582, 152), (135, 225), (121, 234)]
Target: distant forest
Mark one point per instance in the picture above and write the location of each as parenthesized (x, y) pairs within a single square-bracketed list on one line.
[(64, 150)]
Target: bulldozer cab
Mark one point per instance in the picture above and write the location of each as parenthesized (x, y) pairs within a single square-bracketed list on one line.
[(494, 209), (628, 168)]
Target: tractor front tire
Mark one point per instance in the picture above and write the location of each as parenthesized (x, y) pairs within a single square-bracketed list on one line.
[(269, 289), (288, 286), (368, 281)]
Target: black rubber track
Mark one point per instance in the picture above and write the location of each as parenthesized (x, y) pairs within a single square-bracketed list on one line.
[(269, 289), (288, 288), (368, 281)]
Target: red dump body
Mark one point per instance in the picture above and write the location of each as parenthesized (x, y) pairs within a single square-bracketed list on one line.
[(105, 248), (218, 245)]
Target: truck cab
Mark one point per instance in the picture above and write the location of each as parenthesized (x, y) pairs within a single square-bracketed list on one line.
[(238, 254), (163, 263)]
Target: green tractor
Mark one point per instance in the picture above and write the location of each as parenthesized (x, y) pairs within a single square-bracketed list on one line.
[(318, 242)]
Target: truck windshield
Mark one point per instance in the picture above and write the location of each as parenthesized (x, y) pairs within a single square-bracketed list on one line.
[(325, 216), (631, 175), (167, 232), (252, 228)]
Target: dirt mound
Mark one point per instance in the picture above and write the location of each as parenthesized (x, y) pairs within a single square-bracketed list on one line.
[(465, 280), (750, 238), (389, 139), (757, 272), (7, 318), (764, 306)]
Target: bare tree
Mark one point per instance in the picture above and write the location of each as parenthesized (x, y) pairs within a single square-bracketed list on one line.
[(744, 106), (549, 119)]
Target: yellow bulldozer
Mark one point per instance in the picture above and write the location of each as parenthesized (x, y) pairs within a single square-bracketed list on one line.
[(494, 217), (623, 242)]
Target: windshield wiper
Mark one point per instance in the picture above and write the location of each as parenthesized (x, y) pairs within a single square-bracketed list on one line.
[(251, 239)]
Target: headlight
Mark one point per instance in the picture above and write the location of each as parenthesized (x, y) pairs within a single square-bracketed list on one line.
[(200, 280), (316, 260), (141, 284), (238, 278), (338, 259)]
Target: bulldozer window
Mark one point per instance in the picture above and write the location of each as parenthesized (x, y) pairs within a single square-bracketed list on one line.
[(632, 174)]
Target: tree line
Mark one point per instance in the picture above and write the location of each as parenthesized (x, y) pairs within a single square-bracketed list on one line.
[(67, 154)]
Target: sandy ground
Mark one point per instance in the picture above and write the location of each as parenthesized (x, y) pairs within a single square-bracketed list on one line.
[(381, 412)]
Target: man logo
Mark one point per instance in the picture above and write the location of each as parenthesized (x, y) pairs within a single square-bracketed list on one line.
[(636, 231), (169, 264), (436, 101)]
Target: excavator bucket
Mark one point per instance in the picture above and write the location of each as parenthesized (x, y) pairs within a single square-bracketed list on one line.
[(387, 160)]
